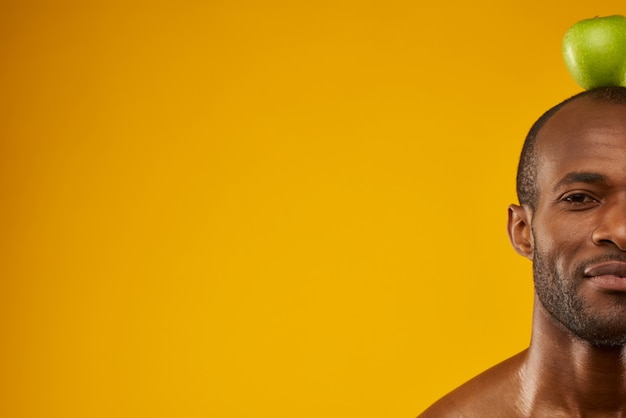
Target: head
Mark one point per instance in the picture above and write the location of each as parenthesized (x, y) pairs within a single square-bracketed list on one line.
[(527, 192), (571, 220)]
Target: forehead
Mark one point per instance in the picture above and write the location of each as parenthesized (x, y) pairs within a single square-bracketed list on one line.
[(583, 136)]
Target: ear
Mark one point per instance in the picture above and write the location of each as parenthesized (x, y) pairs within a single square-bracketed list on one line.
[(520, 233)]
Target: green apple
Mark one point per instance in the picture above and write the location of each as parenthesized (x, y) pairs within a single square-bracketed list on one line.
[(594, 51)]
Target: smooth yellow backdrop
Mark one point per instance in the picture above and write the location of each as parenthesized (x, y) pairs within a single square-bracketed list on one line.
[(267, 209)]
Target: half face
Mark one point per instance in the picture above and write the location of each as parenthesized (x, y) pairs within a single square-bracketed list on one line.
[(579, 223)]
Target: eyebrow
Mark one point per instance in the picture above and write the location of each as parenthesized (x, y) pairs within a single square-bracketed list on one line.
[(580, 177)]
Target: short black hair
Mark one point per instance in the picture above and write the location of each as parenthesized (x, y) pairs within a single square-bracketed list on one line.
[(527, 191)]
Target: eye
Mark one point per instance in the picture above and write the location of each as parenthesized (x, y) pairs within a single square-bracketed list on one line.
[(579, 199)]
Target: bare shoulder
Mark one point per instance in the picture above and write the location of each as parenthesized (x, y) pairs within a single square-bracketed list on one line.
[(493, 393)]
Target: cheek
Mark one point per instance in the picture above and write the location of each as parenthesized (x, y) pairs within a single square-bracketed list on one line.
[(558, 238)]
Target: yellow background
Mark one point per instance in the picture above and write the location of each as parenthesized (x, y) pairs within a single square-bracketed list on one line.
[(266, 209)]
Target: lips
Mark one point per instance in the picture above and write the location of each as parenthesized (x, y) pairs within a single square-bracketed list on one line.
[(609, 268), (609, 276)]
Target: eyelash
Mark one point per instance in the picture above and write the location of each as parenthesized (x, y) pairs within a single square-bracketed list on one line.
[(584, 196)]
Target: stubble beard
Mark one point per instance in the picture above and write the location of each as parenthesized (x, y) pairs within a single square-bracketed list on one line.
[(559, 296)]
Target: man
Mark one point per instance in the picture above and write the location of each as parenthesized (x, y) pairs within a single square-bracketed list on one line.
[(571, 222)]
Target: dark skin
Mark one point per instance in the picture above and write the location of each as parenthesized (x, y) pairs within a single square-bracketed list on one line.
[(573, 367)]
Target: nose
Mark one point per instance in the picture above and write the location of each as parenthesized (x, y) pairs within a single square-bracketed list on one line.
[(611, 228)]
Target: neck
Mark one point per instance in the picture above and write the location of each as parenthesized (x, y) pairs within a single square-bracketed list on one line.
[(562, 372)]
